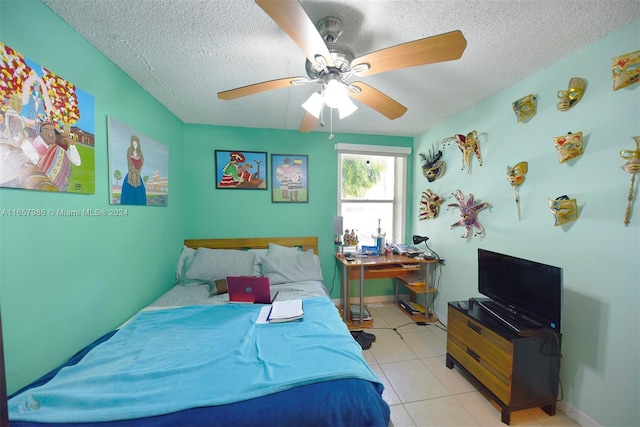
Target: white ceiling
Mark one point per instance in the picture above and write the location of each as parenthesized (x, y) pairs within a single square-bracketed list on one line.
[(183, 52)]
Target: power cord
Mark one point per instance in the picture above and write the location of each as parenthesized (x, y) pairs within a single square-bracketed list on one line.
[(336, 268), (396, 328), (548, 351)]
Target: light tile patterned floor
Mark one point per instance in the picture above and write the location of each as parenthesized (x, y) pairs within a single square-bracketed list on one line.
[(421, 390)]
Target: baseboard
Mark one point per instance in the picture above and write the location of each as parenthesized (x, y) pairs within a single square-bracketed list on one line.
[(577, 415), (368, 300)]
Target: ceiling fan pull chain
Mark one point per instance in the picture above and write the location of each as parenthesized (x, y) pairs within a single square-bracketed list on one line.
[(331, 123)]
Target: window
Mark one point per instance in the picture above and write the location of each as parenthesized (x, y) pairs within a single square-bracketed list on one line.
[(371, 191)]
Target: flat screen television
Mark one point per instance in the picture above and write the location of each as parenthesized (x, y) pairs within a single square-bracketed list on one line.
[(525, 290)]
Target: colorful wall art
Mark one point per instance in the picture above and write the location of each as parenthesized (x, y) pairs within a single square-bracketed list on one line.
[(433, 167), (289, 174), (564, 209), (633, 167), (468, 213), (241, 170), (138, 167), (468, 145), (625, 70), (430, 205), (573, 95), (569, 146), (525, 107), (516, 176), (46, 129)]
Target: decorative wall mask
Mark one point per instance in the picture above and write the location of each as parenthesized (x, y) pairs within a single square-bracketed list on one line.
[(633, 167), (573, 95), (432, 165), (468, 213), (564, 209), (430, 205), (569, 146), (625, 70), (525, 107), (516, 176), (468, 145)]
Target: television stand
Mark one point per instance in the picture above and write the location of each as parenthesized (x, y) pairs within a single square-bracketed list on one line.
[(516, 372), (486, 308)]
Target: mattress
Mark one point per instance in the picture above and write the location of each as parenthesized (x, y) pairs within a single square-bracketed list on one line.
[(346, 398)]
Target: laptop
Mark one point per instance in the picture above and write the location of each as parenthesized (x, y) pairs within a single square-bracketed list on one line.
[(249, 290)]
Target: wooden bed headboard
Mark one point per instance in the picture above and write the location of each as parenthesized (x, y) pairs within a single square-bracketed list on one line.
[(244, 243)]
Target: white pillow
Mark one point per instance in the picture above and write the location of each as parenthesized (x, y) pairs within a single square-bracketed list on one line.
[(279, 250), (184, 261), (300, 267), (212, 264), (257, 264)]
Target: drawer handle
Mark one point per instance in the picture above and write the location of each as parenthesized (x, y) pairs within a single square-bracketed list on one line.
[(473, 354), (475, 327)]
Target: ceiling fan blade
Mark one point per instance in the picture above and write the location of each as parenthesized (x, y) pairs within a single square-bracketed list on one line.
[(377, 100), (294, 21), (261, 87), (443, 47), (309, 123)]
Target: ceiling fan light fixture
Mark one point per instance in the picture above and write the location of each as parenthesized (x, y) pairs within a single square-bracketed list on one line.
[(347, 108), (335, 94), (314, 104)]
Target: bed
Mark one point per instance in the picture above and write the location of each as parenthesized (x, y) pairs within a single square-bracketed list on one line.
[(191, 358)]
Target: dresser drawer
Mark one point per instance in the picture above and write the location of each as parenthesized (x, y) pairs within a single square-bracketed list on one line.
[(486, 355), (481, 369), (483, 340)]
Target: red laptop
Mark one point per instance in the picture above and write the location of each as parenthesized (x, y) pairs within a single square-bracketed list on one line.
[(249, 290)]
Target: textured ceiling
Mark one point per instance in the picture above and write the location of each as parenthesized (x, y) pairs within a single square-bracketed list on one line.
[(183, 52)]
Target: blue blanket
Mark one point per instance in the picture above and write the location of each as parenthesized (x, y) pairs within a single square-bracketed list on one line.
[(170, 360)]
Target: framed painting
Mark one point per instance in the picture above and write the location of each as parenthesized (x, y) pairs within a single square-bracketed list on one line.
[(241, 170), (138, 167), (289, 174), (46, 129)]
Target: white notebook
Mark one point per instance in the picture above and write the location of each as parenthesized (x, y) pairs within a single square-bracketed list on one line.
[(284, 311)]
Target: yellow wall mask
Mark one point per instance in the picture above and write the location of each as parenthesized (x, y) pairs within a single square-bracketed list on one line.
[(569, 146), (573, 95), (625, 70)]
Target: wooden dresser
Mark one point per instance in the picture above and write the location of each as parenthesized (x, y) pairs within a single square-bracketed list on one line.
[(516, 372)]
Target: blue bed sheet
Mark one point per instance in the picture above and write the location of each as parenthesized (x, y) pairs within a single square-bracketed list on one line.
[(337, 399)]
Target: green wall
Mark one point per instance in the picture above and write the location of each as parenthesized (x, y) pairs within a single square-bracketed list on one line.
[(65, 281), (598, 254), (246, 213)]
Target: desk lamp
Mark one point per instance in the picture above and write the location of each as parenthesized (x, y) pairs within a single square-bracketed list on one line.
[(420, 239)]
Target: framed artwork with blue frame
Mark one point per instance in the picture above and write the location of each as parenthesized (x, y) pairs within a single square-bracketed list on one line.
[(289, 174), (241, 170)]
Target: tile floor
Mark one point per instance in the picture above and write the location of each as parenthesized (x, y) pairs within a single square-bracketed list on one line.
[(421, 390)]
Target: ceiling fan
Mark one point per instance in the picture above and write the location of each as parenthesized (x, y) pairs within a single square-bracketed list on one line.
[(331, 63)]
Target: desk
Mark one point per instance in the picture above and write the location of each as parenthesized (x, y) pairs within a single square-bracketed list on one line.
[(374, 267)]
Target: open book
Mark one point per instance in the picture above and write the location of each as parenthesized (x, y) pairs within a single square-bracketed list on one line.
[(284, 311)]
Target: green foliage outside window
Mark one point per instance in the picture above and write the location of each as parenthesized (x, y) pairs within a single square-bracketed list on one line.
[(359, 175)]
